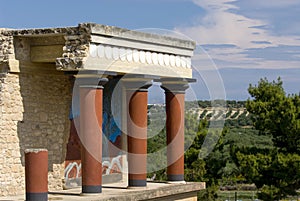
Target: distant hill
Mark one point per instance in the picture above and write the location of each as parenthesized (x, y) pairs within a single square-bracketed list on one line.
[(233, 112), (217, 113)]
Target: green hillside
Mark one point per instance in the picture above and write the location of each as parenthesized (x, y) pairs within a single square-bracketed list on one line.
[(237, 145), (229, 128)]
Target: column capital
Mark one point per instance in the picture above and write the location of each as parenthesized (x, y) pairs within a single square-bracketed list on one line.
[(175, 85), (137, 82), (91, 81)]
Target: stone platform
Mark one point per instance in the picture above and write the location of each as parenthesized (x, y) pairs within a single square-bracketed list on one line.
[(119, 192)]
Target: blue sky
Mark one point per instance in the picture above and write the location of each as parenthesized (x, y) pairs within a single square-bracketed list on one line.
[(243, 40)]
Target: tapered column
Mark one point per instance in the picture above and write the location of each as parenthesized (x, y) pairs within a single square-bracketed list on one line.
[(36, 174), (175, 94), (91, 99), (137, 99)]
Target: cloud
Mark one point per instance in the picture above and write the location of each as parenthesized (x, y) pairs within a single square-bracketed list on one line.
[(227, 34), (215, 4), (260, 42), (283, 53), (275, 3), (220, 26)]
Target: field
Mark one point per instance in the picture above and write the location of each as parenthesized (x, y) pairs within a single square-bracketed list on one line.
[(244, 196), (240, 195)]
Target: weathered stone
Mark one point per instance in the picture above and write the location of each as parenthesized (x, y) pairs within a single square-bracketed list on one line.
[(18, 94)]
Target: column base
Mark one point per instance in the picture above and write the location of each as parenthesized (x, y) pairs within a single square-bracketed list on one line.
[(37, 196), (175, 177), (91, 189), (137, 183)]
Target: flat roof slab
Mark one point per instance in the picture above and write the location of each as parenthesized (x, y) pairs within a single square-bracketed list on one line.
[(90, 46)]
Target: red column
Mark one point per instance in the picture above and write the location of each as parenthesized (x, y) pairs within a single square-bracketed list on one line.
[(175, 93), (175, 136), (91, 137), (137, 99), (36, 174)]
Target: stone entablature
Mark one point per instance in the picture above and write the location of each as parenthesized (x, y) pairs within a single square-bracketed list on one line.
[(124, 51), (98, 47), (111, 52)]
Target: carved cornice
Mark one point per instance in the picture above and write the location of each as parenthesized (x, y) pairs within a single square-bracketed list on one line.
[(138, 56)]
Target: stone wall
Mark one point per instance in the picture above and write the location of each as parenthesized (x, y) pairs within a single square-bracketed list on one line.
[(34, 109), (75, 48), (6, 45)]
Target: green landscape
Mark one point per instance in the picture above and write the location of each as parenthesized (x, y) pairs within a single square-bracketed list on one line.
[(243, 150)]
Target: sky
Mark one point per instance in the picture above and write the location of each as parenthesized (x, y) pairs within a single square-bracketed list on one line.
[(238, 41)]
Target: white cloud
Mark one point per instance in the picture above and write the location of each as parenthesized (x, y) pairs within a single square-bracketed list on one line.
[(222, 26), (215, 4), (274, 3)]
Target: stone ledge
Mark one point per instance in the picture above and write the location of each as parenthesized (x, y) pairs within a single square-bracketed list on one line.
[(119, 192), (153, 191)]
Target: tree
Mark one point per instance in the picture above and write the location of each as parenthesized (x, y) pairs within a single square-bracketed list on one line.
[(275, 174), (278, 115)]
